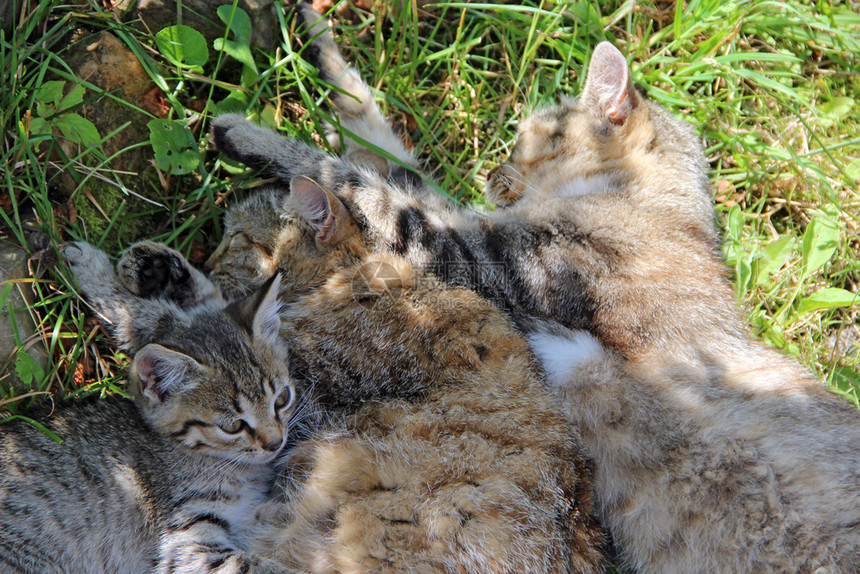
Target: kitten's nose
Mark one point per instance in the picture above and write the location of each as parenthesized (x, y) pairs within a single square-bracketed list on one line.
[(273, 445)]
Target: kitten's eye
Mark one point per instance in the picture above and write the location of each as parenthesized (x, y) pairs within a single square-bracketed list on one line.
[(284, 398), (232, 427)]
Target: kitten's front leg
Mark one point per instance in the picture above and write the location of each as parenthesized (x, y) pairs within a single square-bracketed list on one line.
[(131, 320), (97, 282)]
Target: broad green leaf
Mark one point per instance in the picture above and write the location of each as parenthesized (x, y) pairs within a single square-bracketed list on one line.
[(50, 92), (174, 146), (235, 103), (853, 170), (79, 130), (847, 382), (240, 47), (182, 46), (38, 126), (838, 107), (820, 242), (773, 257), (240, 24), (72, 99), (29, 370), (828, 298)]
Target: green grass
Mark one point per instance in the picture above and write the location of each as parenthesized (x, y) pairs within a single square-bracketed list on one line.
[(771, 86)]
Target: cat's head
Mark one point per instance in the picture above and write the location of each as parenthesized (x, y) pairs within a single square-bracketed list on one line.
[(610, 131), (305, 233), (217, 381)]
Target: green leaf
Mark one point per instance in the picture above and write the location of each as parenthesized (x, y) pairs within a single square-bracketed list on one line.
[(853, 170), (820, 242), (847, 382), (235, 103), (79, 130), (174, 146), (53, 436), (29, 370), (38, 126), (240, 48), (838, 107), (828, 298), (773, 257), (72, 99), (182, 45), (50, 92), (240, 25)]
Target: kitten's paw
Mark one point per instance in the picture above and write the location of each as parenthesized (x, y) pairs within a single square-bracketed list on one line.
[(89, 264), (152, 270)]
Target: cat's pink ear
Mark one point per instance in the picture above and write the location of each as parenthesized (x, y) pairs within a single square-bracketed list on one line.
[(319, 207), (608, 88), (161, 372)]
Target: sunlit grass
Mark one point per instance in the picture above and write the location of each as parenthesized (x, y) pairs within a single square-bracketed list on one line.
[(771, 86)]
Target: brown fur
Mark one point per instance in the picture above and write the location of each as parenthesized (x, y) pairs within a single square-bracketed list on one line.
[(712, 453), (443, 452)]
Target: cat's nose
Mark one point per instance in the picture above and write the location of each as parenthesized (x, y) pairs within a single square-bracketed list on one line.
[(273, 445)]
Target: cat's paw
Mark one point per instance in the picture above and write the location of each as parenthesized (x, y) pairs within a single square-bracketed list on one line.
[(89, 264), (244, 141), (151, 270)]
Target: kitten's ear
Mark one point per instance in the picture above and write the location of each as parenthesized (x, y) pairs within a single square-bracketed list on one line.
[(162, 373), (319, 207), (259, 314), (608, 89)]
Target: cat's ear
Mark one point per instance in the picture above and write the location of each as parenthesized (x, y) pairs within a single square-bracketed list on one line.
[(608, 88), (161, 372), (260, 313), (319, 207)]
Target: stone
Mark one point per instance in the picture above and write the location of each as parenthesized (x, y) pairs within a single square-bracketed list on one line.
[(13, 269)]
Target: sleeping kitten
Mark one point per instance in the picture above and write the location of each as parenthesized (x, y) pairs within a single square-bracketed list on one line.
[(442, 452), (171, 482), (712, 453)]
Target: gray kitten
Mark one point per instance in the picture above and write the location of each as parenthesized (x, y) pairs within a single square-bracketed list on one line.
[(170, 482)]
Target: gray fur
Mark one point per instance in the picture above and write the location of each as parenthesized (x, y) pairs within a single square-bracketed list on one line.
[(152, 485)]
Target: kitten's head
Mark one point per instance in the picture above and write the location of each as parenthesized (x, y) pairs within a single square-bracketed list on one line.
[(217, 381), (601, 140), (306, 234)]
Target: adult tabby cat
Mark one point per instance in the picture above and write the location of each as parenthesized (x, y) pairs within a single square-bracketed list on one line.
[(169, 484), (442, 452), (712, 453)]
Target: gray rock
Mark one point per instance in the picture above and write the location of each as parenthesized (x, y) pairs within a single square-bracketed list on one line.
[(13, 266), (200, 15)]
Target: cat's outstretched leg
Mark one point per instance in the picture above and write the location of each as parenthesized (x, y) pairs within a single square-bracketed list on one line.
[(370, 140)]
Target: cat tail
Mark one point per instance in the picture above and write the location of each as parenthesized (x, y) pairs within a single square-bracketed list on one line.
[(370, 139)]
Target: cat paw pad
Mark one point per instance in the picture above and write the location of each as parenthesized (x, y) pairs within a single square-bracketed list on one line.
[(150, 270)]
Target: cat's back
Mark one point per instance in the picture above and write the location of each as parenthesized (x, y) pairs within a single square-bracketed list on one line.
[(450, 455), (50, 518)]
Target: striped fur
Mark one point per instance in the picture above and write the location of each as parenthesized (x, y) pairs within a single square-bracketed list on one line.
[(157, 486), (442, 451), (712, 453)]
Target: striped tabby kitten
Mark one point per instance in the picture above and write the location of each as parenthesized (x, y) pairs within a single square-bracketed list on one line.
[(441, 451), (170, 483), (712, 453)]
